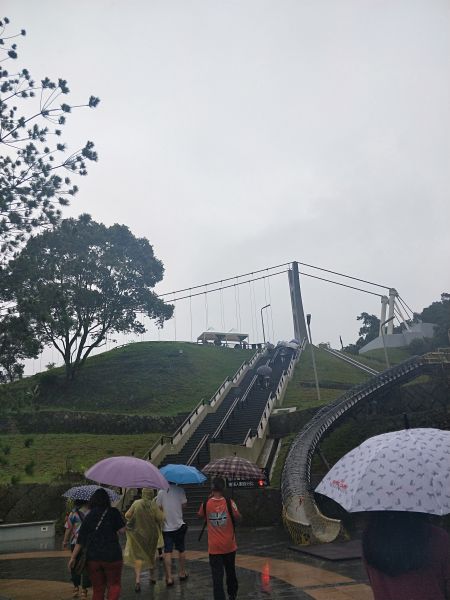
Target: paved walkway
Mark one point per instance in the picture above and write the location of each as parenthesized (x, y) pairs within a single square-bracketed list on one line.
[(267, 569)]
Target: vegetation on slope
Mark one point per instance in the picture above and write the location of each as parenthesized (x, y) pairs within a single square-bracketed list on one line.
[(42, 458), (153, 378), (334, 375)]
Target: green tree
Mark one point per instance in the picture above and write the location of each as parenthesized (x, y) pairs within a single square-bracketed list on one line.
[(438, 313), (83, 281), (34, 162), (17, 342), (369, 330)]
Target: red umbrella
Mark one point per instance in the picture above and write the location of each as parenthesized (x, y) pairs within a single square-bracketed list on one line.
[(233, 467)]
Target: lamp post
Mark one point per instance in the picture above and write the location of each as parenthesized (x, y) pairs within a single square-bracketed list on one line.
[(308, 322), (384, 341), (262, 321)]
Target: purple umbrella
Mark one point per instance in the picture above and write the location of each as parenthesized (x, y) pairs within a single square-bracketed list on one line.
[(127, 472)]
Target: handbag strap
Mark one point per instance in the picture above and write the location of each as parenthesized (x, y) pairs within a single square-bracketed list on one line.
[(91, 537), (101, 519)]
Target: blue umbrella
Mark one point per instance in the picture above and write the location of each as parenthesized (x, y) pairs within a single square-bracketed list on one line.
[(85, 492), (182, 474)]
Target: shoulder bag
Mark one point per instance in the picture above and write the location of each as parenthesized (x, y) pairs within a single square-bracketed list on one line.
[(80, 561)]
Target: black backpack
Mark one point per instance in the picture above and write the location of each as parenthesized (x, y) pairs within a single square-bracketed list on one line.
[(230, 512)]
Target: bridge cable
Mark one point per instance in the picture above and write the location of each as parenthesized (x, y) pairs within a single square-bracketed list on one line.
[(223, 287), (387, 287), (271, 312), (251, 311), (255, 313), (206, 307), (195, 287), (405, 306), (222, 310), (239, 308), (352, 287), (272, 275), (190, 315)]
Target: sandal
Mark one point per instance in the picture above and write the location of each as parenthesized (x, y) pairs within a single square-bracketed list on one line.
[(76, 592), (84, 594), (169, 583), (137, 587), (184, 577)]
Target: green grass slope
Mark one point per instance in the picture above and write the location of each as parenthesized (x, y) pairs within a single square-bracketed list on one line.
[(42, 458), (330, 371), (376, 359), (152, 378)]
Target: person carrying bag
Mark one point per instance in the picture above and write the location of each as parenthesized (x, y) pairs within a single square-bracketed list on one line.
[(98, 544), (220, 516)]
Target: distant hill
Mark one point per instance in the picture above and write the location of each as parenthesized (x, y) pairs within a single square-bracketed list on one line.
[(152, 378)]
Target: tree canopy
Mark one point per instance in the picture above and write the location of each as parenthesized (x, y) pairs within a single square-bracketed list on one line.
[(35, 163), (438, 313), (82, 281), (17, 342)]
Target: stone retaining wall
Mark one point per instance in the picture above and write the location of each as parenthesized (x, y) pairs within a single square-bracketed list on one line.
[(32, 502), (85, 422), (40, 502)]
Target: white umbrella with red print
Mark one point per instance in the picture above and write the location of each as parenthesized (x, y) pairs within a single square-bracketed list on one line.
[(406, 470)]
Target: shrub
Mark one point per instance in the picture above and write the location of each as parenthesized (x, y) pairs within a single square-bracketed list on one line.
[(420, 346), (29, 468), (48, 379), (6, 450), (15, 479), (3, 462), (28, 442)]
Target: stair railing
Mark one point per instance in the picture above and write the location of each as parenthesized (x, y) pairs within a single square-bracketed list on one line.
[(191, 418), (198, 449), (219, 431), (273, 397), (296, 478), (248, 437)]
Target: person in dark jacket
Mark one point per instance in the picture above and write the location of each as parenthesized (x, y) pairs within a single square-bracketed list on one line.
[(406, 557), (99, 532)]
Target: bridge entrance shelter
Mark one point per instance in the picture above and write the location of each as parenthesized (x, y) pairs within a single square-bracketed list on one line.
[(221, 338)]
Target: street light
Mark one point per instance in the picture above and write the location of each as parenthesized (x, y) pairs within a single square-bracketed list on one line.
[(308, 321), (262, 321), (384, 341)]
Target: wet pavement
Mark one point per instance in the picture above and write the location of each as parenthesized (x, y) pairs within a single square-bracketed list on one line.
[(266, 569)]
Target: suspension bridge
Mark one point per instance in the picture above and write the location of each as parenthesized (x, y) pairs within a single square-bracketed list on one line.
[(243, 308)]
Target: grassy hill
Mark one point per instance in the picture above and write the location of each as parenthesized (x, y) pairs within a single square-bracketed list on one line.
[(42, 458), (147, 378), (332, 373), (151, 378)]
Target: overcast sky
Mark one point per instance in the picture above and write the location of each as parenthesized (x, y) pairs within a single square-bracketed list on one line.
[(236, 135)]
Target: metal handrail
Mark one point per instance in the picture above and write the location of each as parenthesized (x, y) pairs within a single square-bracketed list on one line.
[(198, 448), (249, 389), (351, 361), (159, 442), (272, 395), (223, 422), (296, 478), (188, 419), (248, 436), (194, 412)]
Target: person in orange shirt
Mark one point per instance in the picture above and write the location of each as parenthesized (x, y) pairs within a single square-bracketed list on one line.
[(221, 514)]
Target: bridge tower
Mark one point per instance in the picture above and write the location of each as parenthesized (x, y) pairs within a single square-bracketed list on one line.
[(298, 314)]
